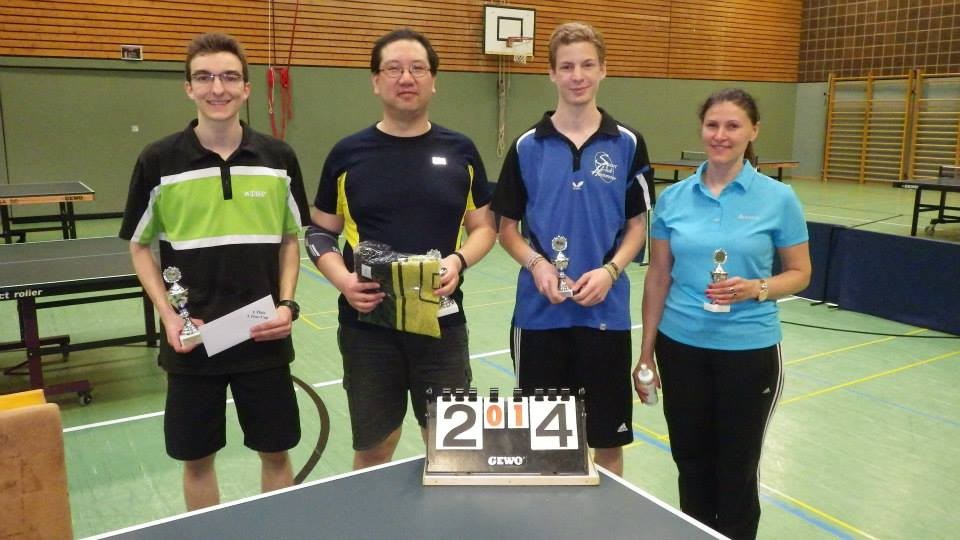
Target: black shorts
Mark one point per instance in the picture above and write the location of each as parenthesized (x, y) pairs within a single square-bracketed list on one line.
[(381, 366), (195, 420), (596, 360)]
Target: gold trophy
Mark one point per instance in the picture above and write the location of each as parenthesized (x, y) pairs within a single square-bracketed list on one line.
[(559, 244), (177, 296), (717, 275)]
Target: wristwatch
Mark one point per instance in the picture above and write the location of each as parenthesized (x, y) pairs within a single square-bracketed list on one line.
[(292, 306), (764, 291)]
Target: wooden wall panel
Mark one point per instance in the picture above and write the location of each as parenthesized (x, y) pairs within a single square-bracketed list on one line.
[(736, 39)]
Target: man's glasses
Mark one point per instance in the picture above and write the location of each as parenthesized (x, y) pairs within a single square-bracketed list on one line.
[(227, 78), (418, 71)]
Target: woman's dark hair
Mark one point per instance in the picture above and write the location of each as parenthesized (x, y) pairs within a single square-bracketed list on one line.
[(741, 99)]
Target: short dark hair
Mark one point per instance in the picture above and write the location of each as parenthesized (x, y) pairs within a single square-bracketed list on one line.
[(376, 55), (213, 43), (741, 99)]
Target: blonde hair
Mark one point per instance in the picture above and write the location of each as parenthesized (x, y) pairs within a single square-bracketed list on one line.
[(575, 32)]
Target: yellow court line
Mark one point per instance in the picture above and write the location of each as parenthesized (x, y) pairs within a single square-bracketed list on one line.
[(307, 320), (658, 436), (871, 377), (851, 347), (819, 513)]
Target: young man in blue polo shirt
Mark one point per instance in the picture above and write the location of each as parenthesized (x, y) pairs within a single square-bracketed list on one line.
[(576, 180)]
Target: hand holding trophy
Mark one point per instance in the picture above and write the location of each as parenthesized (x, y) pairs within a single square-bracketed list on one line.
[(177, 296), (448, 305), (717, 275), (559, 244)]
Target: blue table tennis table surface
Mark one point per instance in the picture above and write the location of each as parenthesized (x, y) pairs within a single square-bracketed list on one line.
[(390, 502)]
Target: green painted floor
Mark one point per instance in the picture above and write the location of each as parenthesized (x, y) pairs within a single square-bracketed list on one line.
[(863, 444)]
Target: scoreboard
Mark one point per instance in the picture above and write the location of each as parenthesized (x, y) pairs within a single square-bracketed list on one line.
[(515, 439)]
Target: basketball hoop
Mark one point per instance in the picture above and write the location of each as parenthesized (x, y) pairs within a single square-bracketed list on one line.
[(520, 57)]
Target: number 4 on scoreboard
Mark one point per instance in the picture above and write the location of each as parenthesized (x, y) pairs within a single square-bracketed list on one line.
[(553, 425)]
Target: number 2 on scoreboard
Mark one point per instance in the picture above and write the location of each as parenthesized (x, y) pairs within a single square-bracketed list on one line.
[(459, 426)]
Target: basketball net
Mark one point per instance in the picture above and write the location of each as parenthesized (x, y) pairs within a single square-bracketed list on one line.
[(519, 58)]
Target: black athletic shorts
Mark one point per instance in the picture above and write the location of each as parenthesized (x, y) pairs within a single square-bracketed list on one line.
[(596, 360), (195, 420)]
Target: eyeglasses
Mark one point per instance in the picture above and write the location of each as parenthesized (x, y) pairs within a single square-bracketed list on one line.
[(227, 78), (418, 71)]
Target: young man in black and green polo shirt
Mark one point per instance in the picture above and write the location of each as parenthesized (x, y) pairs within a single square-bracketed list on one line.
[(226, 204)]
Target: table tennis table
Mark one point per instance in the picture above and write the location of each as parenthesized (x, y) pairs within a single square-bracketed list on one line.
[(84, 268), (943, 184), (62, 193), (390, 501), (690, 166)]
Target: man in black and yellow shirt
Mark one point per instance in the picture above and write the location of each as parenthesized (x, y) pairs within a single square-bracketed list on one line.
[(226, 204), (413, 185)]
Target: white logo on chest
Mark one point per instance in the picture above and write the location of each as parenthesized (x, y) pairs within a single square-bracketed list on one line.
[(255, 194), (604, 168)]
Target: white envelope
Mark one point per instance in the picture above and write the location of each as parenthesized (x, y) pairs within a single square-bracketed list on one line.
[(234, 327)]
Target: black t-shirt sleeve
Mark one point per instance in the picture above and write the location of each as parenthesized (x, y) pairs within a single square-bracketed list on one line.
[(138, 197), (480, 186), (296, 186), (510, 195), (326, 199), (640, 192)]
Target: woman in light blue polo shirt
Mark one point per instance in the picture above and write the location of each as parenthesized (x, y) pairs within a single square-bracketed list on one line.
[(710, 316)]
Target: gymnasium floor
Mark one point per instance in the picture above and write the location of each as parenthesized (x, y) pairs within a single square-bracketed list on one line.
[(863, 444)]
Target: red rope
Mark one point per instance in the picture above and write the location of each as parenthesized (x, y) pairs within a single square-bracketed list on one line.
[(286, 88)]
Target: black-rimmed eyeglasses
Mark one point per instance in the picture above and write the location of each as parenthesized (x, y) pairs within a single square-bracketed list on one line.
[(418, 71)]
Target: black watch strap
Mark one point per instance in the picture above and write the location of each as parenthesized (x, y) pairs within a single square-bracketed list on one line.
[(292, 306)]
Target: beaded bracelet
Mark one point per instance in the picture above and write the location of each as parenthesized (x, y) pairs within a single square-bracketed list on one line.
[(532, 260), (536, 261), (610, 268)]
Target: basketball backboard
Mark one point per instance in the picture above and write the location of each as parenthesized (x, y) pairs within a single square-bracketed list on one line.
[(502, 23)]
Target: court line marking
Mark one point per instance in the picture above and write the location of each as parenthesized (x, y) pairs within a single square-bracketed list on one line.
[(662, 442), (844, 218), (852, 347), (869, 378), (817, 512), (479, 356), (161, 413)]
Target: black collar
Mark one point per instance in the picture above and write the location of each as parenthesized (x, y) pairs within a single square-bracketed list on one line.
[(197, 150), (545, 127)]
